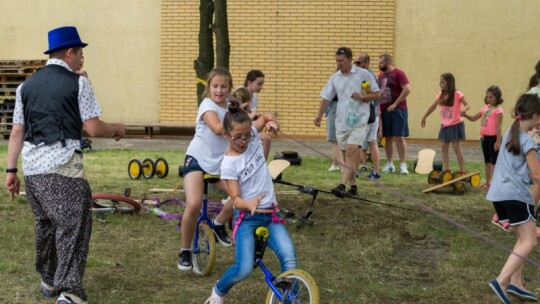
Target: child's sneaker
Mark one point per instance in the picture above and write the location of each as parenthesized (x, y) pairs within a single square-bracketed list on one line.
[(214, 298), (363, 168), (221, 235), (374, 175), (388, 168), (184, 260), (403, 169)]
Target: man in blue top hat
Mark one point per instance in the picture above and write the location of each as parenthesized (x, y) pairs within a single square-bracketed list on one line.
[(52, 109)]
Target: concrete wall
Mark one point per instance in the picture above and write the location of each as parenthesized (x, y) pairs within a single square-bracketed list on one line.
[(482, 42), (122, 57)]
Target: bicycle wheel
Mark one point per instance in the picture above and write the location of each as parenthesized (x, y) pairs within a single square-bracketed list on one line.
[(298, 285), (121, 204), (204, 258)]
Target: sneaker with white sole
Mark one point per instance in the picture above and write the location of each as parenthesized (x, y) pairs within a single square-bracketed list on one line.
[(388, 168), (184, 260), (221, 235), (403, 169)]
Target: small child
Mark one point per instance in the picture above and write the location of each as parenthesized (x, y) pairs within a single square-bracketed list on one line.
[(252, 193), (452, 130), (512, 198), (490, 131)]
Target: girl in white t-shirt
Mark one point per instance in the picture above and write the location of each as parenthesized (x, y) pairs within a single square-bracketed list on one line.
[(452, 129), (204, 155), (250, 186)]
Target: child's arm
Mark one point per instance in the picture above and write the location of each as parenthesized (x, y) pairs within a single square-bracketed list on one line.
[(212, 121), (238, 202), (266, 120), (475, 117), (464, 103), (428, 112), (497, 145)]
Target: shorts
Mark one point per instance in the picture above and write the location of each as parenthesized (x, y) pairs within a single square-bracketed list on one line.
[(371, 134), (395, 124), (331, 123), (191, 164), (488, 147), (514, 211), (352, 137), (452, 133)]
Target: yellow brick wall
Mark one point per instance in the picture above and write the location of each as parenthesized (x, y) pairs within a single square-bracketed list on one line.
[(292, 42)]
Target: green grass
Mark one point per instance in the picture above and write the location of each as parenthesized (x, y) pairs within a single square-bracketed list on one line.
[(357, 252)]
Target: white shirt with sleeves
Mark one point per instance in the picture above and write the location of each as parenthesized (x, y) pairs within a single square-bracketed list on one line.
[(41, 159), (207, 147), (344, 86), (251, 172)]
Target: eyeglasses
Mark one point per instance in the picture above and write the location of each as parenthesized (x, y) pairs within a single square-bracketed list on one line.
[(358, 63), (241, 140)]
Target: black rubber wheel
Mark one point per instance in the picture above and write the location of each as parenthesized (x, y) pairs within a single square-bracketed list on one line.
[(121, 203)]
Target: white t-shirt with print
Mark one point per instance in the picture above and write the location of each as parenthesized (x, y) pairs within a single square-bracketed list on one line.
[(251, 172), (41, 159), (207, 147)]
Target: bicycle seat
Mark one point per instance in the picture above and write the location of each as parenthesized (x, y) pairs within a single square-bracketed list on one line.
[(211, 178)]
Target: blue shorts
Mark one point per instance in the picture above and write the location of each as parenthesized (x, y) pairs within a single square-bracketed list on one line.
[(191, 164), (395, 124)]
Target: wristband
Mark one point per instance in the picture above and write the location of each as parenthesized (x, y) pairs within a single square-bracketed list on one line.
[(12, 170)]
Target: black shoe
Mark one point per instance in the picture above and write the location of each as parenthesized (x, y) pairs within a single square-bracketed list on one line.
[(221, 235), (352, 192), (184, 261), (339, 191)]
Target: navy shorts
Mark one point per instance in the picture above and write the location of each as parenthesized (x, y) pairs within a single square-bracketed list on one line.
[(395, 124), (488, 147), (191, 164), (514, 211)]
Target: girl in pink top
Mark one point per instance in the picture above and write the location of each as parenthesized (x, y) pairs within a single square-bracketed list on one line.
[(452, 127), (490, 131)]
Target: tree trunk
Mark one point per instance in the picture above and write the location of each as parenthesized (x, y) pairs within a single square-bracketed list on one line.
[(205, 61), (221, 30)]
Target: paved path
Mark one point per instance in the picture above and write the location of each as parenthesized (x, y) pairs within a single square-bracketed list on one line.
[(471, 151)]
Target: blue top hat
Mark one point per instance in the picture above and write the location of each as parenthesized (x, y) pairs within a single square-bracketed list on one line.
[(62, 38)]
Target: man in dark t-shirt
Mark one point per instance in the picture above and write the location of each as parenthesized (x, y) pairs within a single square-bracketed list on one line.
[(395, 88)]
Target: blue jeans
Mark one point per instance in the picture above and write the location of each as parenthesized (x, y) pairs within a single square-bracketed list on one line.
[(278, 240)]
